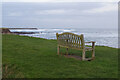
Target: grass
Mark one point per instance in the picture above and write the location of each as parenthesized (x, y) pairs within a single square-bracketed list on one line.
[(3, 28), (37, 58), (11, 71)]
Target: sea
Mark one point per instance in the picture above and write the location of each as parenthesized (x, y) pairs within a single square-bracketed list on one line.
[(102, 37)]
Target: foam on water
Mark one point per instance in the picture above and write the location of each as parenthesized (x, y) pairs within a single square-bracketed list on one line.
[(108, 37)]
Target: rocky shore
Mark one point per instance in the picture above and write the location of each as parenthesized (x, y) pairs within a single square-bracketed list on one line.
[(24, 32), (7, 31)]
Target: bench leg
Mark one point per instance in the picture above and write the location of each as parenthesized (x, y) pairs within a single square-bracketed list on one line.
[(58, 50), (83, 55), (93, 51), (93, 54), (67, 50)]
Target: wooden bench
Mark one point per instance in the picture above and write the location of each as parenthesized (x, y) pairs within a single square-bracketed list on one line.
[(70, 40)]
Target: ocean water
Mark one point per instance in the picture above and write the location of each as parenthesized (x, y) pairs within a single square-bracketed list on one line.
[(102, 37)]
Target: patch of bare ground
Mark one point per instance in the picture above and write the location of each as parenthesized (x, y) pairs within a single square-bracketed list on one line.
[(76, 57)]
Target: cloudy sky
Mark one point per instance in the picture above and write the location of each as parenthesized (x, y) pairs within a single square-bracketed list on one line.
[(60, 0), (60, 14)]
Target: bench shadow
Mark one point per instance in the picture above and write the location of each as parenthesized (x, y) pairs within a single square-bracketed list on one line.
[(77, 57)]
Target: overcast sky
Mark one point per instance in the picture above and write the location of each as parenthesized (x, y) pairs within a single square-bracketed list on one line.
[(60, 0), (60, 15)]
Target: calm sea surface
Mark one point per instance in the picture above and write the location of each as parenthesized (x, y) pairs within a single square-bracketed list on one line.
[(103, 37)]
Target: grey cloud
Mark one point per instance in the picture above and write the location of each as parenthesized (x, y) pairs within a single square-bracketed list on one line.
[(57, 15)]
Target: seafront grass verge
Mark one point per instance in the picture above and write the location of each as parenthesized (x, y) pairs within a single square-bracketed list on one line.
[(37, 58)]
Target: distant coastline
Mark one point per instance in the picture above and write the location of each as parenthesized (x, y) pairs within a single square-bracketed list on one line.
[(7, 31), (23, 28)]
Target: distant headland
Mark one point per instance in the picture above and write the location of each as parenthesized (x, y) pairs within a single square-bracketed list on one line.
[(7, 31), (23, 28)]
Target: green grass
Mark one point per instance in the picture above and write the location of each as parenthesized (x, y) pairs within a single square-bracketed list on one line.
[(3, 28), (37, 58)]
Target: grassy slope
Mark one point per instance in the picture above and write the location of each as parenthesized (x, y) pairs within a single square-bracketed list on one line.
[(36, 58)]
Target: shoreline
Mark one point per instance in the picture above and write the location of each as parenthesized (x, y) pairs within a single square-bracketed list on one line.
[(24, 33), (7, 31), (56, 39), (23, 28)]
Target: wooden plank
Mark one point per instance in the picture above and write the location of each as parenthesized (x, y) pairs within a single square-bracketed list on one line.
[(58, 50), (83, 55), (75, 41), (88, 59), (93, 51), (79, 42)]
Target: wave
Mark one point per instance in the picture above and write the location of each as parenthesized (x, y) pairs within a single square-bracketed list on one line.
[(102, 37)]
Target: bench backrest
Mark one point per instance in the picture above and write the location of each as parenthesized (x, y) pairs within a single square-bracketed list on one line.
[(70, 40)]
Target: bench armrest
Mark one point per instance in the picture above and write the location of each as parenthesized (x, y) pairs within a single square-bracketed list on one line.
[(93, 43), (90, 42)]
